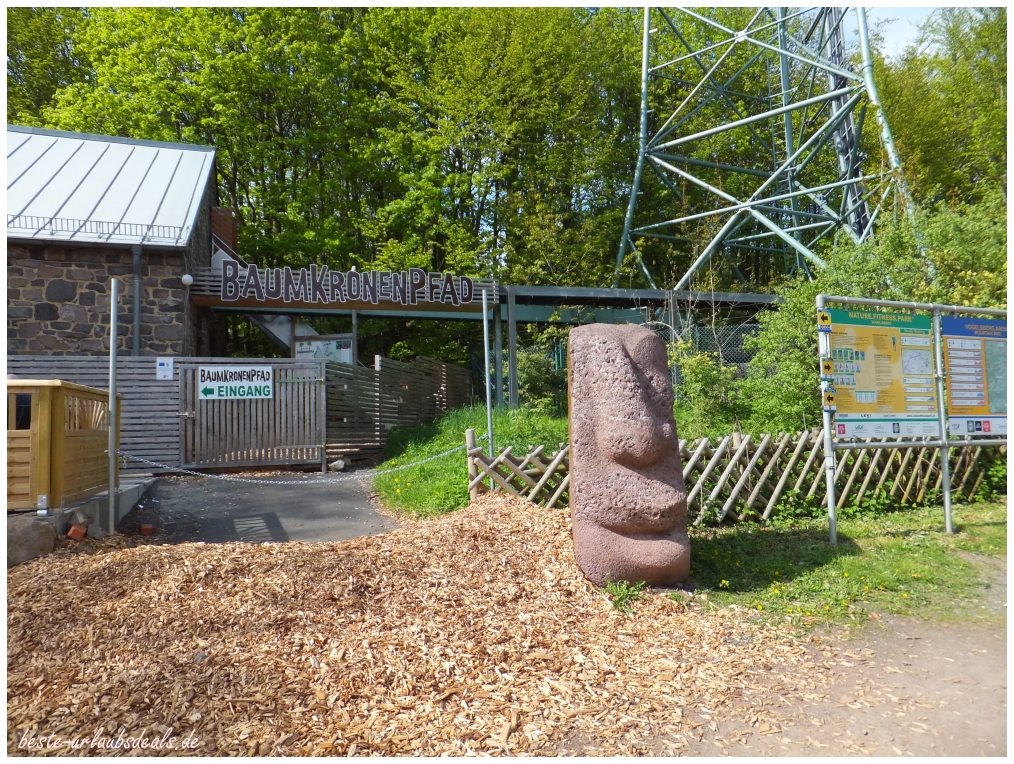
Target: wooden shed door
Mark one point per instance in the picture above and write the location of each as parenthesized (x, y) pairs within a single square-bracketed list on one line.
[(288, 428), (22, 449)]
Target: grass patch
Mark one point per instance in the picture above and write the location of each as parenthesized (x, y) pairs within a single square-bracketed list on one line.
[(624, 593), (899, 562), (441, 486)]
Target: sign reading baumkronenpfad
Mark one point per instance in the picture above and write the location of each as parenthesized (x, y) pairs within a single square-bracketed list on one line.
[(882, 372), (318, 284), (219, 383), (975, 357)]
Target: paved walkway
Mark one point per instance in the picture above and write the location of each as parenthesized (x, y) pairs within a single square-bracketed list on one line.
[(306, 508)]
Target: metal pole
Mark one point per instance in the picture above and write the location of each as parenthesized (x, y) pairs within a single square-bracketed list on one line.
[(498, 352), (641, 147), (512, 350), (114, 297), (355, 338), (929, 306), (945, 466), (485, 369), (136, 250), (878, 111), (832, 520), (787, 117)]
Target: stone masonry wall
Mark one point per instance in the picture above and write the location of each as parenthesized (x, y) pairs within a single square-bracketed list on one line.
[(58, 301), (58, 297)]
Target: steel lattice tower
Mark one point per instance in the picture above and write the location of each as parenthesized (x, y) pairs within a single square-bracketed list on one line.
[(752, 121)]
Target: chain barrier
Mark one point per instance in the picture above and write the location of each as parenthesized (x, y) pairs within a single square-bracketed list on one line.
[(357, 476)]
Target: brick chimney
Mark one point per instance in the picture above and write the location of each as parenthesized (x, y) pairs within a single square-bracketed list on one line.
[(225, 227)]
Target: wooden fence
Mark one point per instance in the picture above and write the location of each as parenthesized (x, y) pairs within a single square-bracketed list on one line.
[(740, 478), (363, 404), (541, 479), (286, 429), (149, 425)]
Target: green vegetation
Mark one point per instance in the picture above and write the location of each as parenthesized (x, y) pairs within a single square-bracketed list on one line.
[(965, 245), (500, 143), (441, 486), (946, 102), (896, 562), (707, 400), (624, 593)]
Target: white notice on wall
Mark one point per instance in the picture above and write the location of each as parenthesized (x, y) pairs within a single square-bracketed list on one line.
[(164, 367)]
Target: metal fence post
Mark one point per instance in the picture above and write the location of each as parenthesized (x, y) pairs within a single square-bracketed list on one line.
[(473, 471), (832, 519), (945, 465), (322, 413), (114, 297), (512, 350), (485, 351)]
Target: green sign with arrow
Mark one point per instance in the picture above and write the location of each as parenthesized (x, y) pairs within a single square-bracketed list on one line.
[(220, 383)]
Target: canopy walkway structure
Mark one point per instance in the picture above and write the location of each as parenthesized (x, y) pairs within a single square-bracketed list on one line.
[(756, 131)]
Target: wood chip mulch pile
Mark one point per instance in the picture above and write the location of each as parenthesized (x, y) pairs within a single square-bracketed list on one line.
[(471, 633)]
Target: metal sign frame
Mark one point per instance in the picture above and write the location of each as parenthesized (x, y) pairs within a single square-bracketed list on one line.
[(942, 442)]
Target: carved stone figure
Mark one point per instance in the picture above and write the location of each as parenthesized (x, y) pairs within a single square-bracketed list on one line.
[(628, 501)]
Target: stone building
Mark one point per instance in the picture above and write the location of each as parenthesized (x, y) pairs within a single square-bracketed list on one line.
[(82, 209)]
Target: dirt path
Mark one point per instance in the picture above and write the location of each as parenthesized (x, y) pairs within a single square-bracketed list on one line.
[(902, 687)]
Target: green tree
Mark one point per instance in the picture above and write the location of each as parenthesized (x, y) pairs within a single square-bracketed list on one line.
[(290, 98), (707, 397), (510, 150), (946, 102), (41, 59), (965, 262)]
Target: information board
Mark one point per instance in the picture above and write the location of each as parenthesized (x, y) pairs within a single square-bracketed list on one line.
[(218, 383), (339, 350), (880, 370), (975, 358)]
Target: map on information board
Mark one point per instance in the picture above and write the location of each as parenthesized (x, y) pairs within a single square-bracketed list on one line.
[(975, 358), (918, 362), (883, 374)]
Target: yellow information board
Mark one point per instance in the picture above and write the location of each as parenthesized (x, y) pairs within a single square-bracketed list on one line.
[(881, 371)]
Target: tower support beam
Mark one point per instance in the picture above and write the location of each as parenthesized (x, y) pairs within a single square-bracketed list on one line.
[(765, 109)]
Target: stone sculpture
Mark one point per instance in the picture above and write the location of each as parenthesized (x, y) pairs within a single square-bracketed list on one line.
[(628, 501)]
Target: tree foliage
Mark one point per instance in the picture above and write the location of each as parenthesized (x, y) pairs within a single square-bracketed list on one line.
[(500, 142), (946, 102), (41, 59)]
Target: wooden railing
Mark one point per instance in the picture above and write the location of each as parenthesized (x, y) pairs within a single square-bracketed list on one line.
[(541, 479), (740, 477)]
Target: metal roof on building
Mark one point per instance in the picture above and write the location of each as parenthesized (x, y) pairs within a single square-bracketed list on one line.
[(99, 189)]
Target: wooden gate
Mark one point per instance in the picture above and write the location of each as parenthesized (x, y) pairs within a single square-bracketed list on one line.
[(290, 428)]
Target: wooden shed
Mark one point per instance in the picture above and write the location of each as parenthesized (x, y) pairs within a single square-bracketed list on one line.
[(57, 442)]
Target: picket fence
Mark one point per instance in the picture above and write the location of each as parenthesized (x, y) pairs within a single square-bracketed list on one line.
[(740, 478)]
